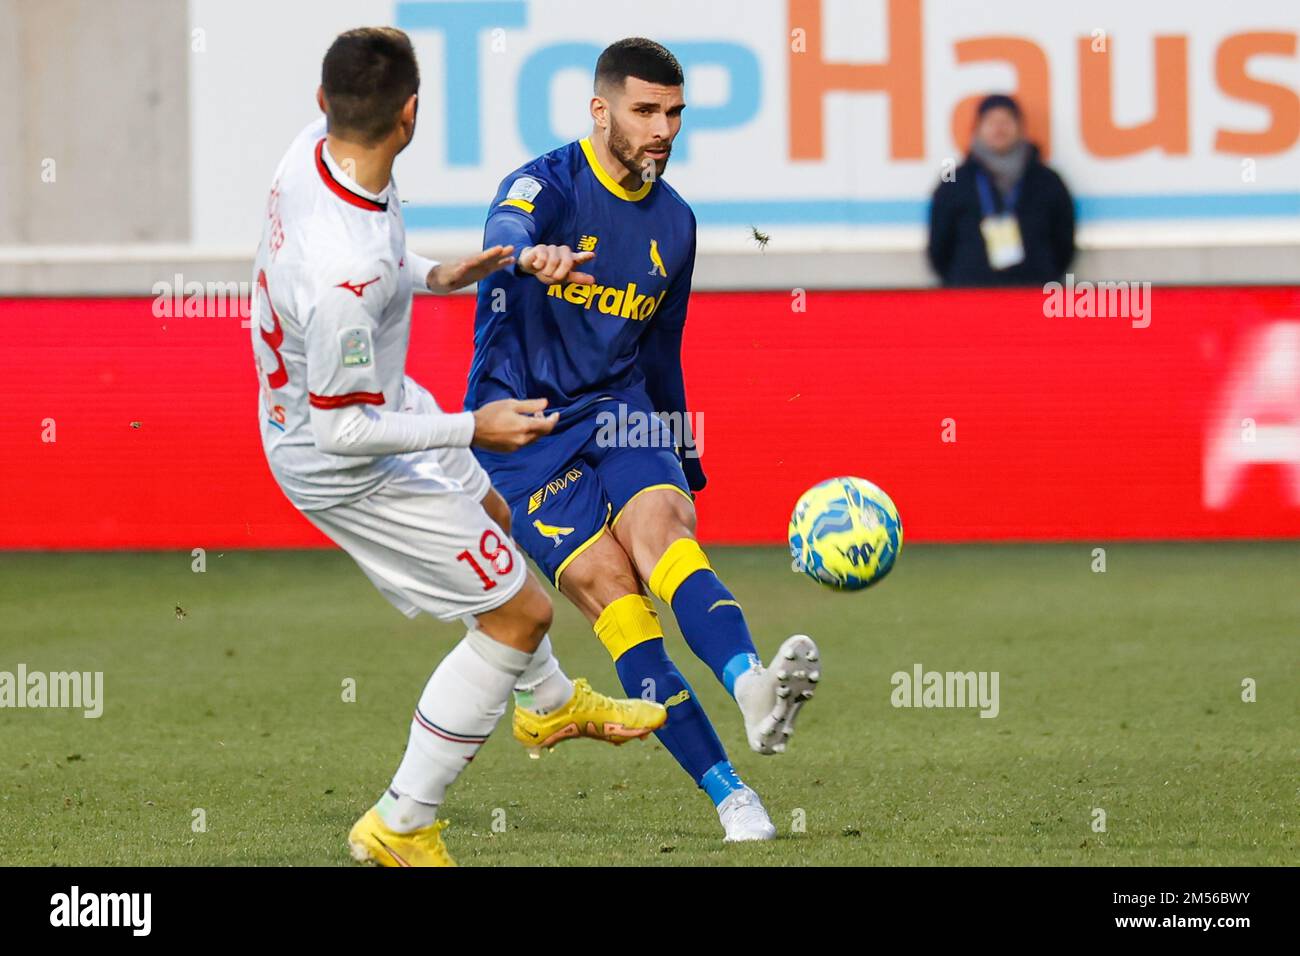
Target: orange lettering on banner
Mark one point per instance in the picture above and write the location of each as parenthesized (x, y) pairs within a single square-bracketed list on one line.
[(1168, 127), (1033, 92), (1280, 101), (900, 78)]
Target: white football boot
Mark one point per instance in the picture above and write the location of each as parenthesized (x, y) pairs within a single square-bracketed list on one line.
[(770, 698), (744, 818)]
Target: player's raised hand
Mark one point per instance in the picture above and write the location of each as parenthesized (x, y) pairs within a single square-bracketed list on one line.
[(510, 424), (448, 278), (552, 264)]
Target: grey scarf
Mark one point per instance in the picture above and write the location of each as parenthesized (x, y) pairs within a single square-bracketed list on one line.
[(1005, 169)]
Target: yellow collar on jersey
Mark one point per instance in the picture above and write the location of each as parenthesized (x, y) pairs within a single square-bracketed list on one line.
[(607, 180)]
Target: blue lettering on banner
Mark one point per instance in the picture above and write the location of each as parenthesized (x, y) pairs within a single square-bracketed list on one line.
[(460, 22)]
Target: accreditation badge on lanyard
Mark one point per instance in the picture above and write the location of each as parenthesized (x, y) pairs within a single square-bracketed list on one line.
[(1001, 230)]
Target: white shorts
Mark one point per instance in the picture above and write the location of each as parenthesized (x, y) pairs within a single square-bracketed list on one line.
[(425, 541)]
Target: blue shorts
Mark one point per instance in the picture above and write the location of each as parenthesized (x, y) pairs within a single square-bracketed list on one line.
[(566, 489)]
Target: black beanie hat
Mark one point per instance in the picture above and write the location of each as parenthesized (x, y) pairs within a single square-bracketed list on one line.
[(998, 101)]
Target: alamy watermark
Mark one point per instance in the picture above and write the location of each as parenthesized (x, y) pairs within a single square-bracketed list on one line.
[(78, 690), (1098, 300), (624, 427), (178, 299), (922, 688), (132, 911)]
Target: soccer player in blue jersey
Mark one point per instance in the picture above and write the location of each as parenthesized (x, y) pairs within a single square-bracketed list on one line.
[(606, 510)]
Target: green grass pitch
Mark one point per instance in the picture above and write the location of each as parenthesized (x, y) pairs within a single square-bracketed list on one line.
[(1119, 691)]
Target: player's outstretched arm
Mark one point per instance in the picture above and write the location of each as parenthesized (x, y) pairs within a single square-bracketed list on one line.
[(448, 277), (553, 264), (504, 426), (350, 414), (364, 430), (509, 424)]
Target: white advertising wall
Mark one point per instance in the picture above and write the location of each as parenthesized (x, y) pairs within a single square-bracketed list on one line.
[(825, 123)]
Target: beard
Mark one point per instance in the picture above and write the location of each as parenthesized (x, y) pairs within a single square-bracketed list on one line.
[(633, 160)]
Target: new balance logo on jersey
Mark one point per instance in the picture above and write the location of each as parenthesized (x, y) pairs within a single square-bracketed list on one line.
[(357, 289)]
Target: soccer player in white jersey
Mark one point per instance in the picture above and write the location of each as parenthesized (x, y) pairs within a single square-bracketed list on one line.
[(369, 458)]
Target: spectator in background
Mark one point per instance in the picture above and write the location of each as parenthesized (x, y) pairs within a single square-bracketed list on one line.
[(1007, 219)]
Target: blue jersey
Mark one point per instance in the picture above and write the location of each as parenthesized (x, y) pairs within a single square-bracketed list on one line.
[(575, 344)]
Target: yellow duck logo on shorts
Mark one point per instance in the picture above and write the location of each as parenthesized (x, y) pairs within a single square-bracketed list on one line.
[(551, 531)]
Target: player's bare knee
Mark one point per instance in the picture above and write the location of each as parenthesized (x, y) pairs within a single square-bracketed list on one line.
[(651, 525), (598, 577), (592, 579), (522, 621), (653, 521), (535, 614), (683, 515), (675, 531), (543, 614)]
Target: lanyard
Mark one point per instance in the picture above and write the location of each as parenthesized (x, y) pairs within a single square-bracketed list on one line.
[(987, 208)]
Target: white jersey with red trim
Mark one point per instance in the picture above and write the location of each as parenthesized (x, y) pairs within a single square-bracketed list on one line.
[(331, 320)]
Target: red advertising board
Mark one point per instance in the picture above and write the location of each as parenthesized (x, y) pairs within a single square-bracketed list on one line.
[(983, 414)]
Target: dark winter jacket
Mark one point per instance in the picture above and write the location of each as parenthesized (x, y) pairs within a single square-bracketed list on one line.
[(1044, 210)]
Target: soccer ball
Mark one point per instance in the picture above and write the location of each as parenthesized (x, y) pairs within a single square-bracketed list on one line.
[(845, 533)]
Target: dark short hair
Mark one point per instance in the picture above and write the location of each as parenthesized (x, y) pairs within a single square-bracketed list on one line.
[(639, 57), (368, 75), (996, 101)]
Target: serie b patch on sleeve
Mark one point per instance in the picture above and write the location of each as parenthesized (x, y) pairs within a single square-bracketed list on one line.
[(525, 188), (356, 348)]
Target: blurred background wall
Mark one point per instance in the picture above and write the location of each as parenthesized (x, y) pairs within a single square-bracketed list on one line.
[(96, 109), (144, 132)]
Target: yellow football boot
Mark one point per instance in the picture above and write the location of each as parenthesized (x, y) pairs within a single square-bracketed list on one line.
[(372, 842), (588, 714)]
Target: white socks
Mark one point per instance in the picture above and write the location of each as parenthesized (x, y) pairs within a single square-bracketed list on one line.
[(543, 687), (755, 692), (458, 709)]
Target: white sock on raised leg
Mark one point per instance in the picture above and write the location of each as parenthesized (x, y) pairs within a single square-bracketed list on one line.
[(460, 705)]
